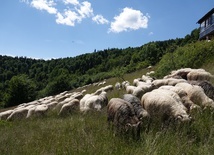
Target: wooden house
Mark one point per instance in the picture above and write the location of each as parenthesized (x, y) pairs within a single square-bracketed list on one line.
[(207, 25)]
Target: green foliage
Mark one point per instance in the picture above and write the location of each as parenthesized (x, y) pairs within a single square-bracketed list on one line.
[(59, 84), (20, 90), (192, 55)]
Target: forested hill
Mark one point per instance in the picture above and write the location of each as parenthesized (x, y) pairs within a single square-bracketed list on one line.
[(24, 79)]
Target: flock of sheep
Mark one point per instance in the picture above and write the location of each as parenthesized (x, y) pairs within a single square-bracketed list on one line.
[(169, 99)]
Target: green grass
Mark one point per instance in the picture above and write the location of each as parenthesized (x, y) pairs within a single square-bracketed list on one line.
[(90, 134)]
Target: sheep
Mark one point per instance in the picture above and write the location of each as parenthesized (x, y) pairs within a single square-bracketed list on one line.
[(60, 104), (5, 114), (106, 89), (125, 83), (168, 81), (150, 73), (78, 95), (206, 86), (199, 75), (138, 108), (82, 101), (52, 105), (159, 82), (18, 114), (197, 95), (147, 78), (37, 111), (181, 73), (130, 89), (142, 88), (190, 74), (96, 102), (121, 114), (183, 96), (163, 106), (117, 86), (138, 92), (136, 81), (69, 107)]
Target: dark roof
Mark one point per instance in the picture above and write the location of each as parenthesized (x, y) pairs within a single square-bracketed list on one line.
[(205, 16)]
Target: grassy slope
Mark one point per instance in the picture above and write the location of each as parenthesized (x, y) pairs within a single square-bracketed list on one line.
[(89, 134)]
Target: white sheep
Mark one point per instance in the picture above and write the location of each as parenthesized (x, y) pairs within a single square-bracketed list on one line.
[(125, 83), (180, 73), (69, 107), (95, 102), (182, 94), (37, 111), (117, 86), (147, 79), (130, 89), (52, 105), (199, 75), (4, 115), (18, 114), (165, 107), (82, 101), (197, 95), (168, 81)]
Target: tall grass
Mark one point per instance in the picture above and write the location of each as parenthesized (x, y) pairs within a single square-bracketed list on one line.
[(89, 134)]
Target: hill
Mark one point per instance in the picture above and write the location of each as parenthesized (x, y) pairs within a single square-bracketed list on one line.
[(89, 134), (40, 78)]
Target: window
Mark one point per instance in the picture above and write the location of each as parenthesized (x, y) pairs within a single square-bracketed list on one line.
[(212, 22), (202, 26)]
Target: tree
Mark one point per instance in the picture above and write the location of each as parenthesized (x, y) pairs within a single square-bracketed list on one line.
[(21, 89)]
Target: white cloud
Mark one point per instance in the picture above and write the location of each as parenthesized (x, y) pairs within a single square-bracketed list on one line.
[(69, 18), (74, 2), (99, 19), (151, 33), (47, 5), (24, 1), (129, 19), (85, 9)]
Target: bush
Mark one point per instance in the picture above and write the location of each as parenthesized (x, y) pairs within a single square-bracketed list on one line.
[(21, 89), (192, 55)]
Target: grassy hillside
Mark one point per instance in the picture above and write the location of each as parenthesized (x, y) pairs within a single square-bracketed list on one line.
[(89, 134)]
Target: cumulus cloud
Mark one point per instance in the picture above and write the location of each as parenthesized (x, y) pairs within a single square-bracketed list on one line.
[(69, 18), (129, 19), (76, 11), (99, 19), (47, 5), (85, 9), (73, 2)]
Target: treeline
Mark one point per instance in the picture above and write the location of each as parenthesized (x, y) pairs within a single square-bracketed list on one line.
[(24, 79)]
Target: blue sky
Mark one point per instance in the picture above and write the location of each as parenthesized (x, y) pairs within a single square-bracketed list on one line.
[(48, 29)]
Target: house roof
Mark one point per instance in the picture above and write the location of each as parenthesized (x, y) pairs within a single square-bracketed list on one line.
[(205, 16)]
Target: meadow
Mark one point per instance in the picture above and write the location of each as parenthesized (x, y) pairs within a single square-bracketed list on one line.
[(90, 133)]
